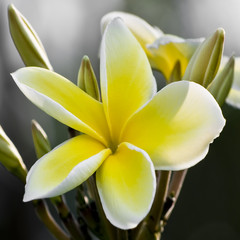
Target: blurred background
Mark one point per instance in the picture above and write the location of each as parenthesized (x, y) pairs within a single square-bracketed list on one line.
[(208, 207)]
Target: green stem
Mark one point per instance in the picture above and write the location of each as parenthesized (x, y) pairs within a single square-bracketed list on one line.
[(108, 229), (86, 209), (173, 193), (150, 228), (158, 203), (67, 218), (143, 233), (177, 182), (44, 215), (122, 234)]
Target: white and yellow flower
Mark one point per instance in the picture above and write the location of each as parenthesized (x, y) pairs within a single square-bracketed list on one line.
[(174, 56), (126, 137), (163, 50)]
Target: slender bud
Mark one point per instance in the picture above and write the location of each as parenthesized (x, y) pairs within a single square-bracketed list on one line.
[(26, 40), (87, 80), (42, 147), (168, 49), (40, 140), (176, 73), (233, 97), (221, 85), (205, 62), (10, 157)]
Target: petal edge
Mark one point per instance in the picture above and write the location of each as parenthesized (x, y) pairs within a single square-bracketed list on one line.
[(182, 120), (65, 167), (63, 100)]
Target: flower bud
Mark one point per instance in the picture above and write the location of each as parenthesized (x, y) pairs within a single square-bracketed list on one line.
[(40, 140), (222, 83), (26, 40), (10, 157), (42, 147), (233, 97), (205, 62), (87, 80), (176, 73), (168, 49)]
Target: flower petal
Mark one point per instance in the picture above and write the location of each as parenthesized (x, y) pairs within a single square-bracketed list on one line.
[(143, 31), (163, 50), (65, 167), (168, 49), (234, 95), (176, 127), (126, 76), (63, 100), (126, 184)]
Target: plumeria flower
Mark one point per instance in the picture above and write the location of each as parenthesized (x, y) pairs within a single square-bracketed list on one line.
[(164, 51), (171, 54), (233, 98), (126, 137)]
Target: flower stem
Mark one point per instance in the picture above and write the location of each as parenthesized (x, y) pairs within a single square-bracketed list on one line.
[(108, 229), (151, 228), (122, 234), (175, 187), (86, 209), (158, 203), (44, 215), (67, 218)]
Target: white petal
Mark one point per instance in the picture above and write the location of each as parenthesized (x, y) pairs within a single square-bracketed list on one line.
[(63, 100), (176, 127), (126, 184), (127, 81)]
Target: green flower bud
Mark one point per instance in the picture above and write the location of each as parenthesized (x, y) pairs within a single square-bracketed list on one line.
[(10, 157), (221, 85), (233, 97), (176, 73), (87, 80), (205, 62), (168, 49), (42, 147), (40, 140), (26, 40)]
